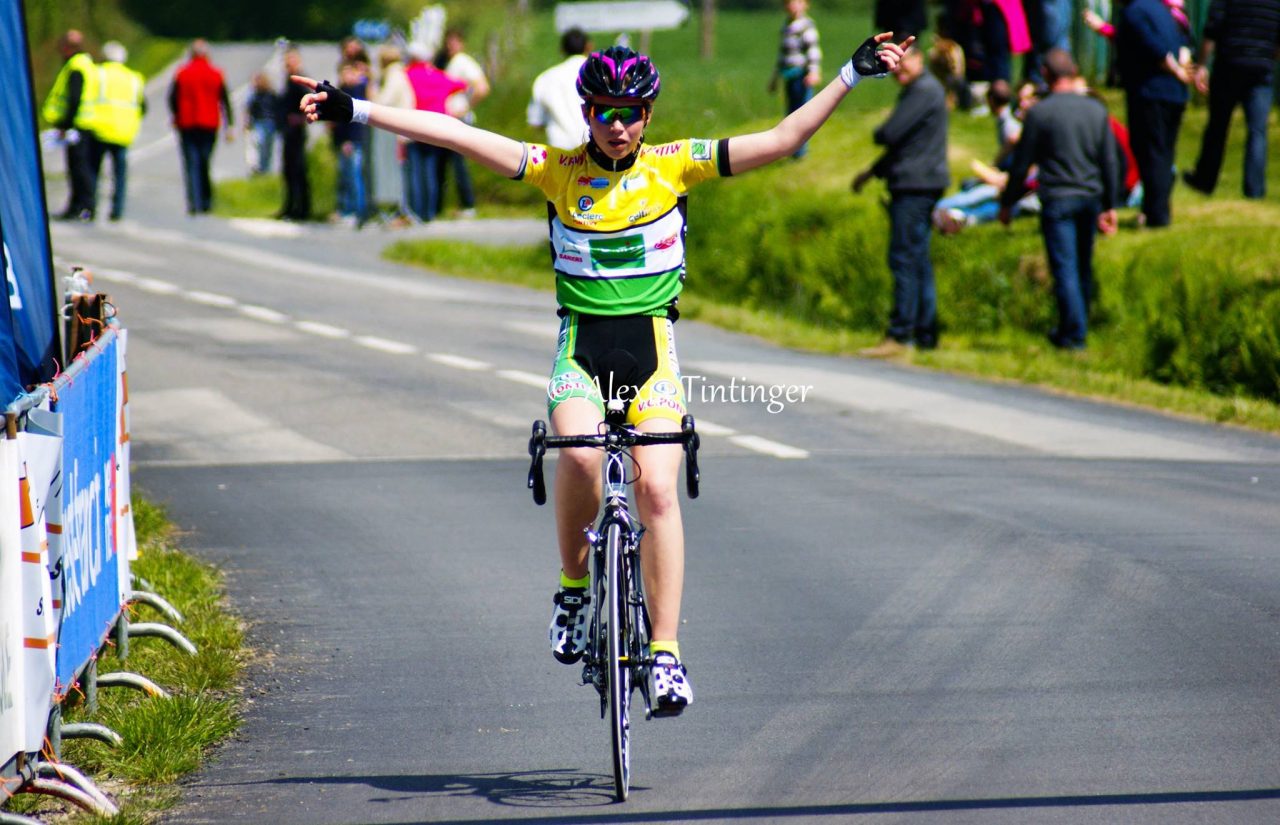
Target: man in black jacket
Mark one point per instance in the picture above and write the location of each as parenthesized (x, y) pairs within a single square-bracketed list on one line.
[(1068, 136), (1249, 32), (914, 167)]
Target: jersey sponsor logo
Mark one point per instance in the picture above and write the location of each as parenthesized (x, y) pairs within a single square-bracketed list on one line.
[(700, 149), (594, 183), (563, 389), (660, 403), (626, 252), (667, 243), (632, 182), (585, 203), (587, 218), (665, 387), (667, 149), (565, 256), (573, 160), (638, 216)]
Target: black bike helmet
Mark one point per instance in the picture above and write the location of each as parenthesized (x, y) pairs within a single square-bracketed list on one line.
[(618, 72)]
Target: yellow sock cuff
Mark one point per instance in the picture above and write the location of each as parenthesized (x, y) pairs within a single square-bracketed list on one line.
[(565, 581), (665, 647)]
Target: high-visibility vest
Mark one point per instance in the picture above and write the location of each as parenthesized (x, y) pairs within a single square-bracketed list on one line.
[(55, 105), (118, 111)]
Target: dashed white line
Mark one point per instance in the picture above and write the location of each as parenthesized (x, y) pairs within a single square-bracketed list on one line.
[(211, 299), (458, 361), (158, 287), (764, 445), (709, 428), (117, 275), (323, 330), (264, 314), (521, 377), (386, 345)]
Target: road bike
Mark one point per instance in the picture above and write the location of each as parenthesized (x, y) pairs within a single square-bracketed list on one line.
[(617, 658)]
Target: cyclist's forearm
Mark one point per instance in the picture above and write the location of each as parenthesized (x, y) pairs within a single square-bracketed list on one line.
[(760, 148), (497, 152)]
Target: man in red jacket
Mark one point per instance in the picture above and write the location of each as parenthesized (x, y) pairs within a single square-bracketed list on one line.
[(196, 97)]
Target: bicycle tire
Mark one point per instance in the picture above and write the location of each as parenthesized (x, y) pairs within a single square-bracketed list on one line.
[(618, 673)]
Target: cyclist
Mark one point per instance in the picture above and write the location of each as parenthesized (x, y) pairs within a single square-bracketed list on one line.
[(616, 207)]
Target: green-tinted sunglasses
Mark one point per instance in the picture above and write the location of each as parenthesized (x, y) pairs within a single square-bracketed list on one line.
[(627, 114)]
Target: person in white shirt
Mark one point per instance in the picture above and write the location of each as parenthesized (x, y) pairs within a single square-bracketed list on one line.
[(456, 63), (555, 105), (387, 150)]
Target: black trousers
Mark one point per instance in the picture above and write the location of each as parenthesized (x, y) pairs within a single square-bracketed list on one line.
[(1153, 136), (80, 176), (297, 189)]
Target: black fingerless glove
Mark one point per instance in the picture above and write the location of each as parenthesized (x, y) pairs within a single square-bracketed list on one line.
[(866, 60), (337, 104)]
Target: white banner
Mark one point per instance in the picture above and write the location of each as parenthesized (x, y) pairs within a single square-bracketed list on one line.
[(126, 538), (41, 457), (12, 688)]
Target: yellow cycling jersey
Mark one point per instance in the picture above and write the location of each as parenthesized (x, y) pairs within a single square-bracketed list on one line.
[(618, 237)]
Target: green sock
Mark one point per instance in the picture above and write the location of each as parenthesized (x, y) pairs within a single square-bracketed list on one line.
[(581, 583), (665, 647)]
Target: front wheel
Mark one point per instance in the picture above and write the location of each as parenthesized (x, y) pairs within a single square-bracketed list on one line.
[(618, 668)]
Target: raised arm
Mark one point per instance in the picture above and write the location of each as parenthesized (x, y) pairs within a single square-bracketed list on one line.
[(497, 152), (874, 58)]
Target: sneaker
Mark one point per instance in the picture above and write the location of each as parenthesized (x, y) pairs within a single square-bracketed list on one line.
[(670, 690), (568, 631), (888, 348)]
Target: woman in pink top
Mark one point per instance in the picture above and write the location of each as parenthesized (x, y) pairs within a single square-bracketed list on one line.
[(431, 87)]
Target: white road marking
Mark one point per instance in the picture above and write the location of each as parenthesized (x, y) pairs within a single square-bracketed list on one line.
[(521, 377), (264, 314), (118, 276), (706, 427), (548, 331), (211, 299), (458, 361), (323, 330), (157, 286), (385, 345), (764, 445), (263, 228)]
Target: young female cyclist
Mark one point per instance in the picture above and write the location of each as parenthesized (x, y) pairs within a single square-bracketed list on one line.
[(617, 212)]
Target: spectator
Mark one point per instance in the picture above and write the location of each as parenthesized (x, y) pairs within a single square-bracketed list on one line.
[(117, 117), (459, 65), (914, 167), (390, 173), (198, 100), (555, 105), (799, 60), (1147, 42), (349, 144), (261, 113), (69, 108), (1067, 135), (1004, 34), (431, 87), (293, 128), (902, 17), (1242, 75)]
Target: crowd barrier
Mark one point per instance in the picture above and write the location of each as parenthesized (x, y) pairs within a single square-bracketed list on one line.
[(66, 542)]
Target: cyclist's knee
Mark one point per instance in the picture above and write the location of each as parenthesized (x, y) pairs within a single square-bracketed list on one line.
[(658, 496), (580, 464)]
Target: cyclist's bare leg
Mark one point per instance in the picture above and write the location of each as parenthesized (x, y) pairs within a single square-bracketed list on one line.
[(662, 553), (577, 483)]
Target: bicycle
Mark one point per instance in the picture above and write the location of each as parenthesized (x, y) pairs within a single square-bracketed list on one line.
[(616, 661)]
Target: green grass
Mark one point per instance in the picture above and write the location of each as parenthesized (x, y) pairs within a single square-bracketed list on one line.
[(163, 738)]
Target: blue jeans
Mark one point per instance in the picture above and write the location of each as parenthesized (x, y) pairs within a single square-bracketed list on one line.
[(798, 94), (915, 298), (264, 138), (452, 163), (197, 149), (120, 171), (1068, 226), (1228, 89), (352, 198), (422, 183)]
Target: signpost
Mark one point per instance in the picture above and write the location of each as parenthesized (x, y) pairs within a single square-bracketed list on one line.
[(644, 16)]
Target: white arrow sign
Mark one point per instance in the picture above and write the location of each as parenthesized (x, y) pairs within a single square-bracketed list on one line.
[(641, 15)]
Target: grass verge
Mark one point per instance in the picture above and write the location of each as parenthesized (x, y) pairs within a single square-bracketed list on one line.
[(163, 738)]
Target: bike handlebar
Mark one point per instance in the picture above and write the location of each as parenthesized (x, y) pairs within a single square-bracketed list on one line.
[(615, 437)]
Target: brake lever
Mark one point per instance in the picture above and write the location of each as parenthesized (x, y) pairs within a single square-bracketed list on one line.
[(537, 449), (691, 475)]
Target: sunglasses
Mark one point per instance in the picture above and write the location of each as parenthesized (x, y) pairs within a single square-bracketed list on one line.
[(627, 114)]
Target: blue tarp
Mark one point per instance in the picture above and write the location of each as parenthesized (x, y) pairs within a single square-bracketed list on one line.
[(29, 341)]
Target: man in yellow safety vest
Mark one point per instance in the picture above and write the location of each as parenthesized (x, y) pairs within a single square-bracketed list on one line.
[(69, 108), (117, 117)]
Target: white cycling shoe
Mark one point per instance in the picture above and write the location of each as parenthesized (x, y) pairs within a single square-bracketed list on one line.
[(670, 689), (568, 631)]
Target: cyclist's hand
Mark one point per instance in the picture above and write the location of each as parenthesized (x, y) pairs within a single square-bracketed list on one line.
[(879, 55), (326, 101)]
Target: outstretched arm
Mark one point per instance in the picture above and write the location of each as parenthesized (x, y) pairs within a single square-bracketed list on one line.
[(877, 56), (499, 153)]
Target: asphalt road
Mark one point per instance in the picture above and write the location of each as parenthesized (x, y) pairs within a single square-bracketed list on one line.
[(910, 597)]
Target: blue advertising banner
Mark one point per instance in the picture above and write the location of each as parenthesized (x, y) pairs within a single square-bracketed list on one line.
[(10, 384), (89, 564), (23, 214)]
